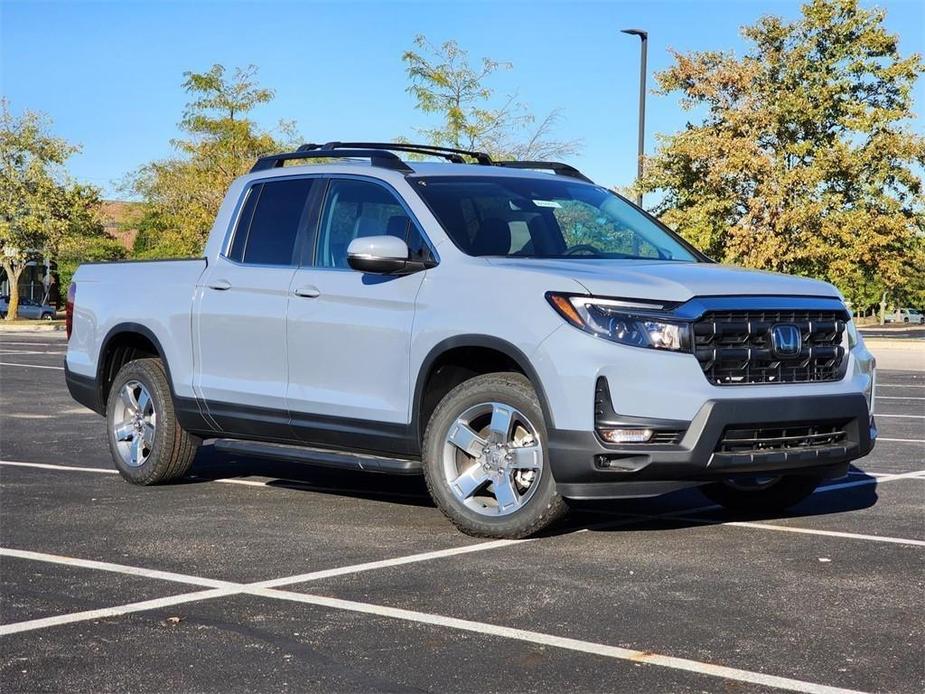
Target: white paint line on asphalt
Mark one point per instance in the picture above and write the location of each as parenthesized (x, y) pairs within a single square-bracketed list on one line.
[(899, 385), (589, 647), (900, 416), (229, 589), (68, 468), (32, 624), (32, 366), (827, 533), (386, 563), (882, 438), (116, 568), (898, 397), (299, 484)]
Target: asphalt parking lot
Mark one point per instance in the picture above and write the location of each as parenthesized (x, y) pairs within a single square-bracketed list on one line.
[(266, 576)]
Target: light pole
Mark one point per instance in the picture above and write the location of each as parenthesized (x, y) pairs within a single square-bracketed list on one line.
[(643, 48)]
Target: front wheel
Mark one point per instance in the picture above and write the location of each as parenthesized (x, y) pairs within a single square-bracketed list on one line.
[(761, 494), (486, 458), (148, 444)]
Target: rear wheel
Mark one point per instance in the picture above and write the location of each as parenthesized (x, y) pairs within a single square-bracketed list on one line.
[(147, 443), (761, 494), (486, 459)]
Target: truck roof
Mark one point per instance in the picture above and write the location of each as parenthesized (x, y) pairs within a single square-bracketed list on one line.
[(380, 159)]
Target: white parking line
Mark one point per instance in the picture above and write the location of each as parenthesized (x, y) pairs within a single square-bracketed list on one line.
[(68, 468), (899, 385), (598, 649), (32, 366), (550, 640), (898, 397), (900, 416), (116, 568), (827, 533), (32, 624), (882, 438)]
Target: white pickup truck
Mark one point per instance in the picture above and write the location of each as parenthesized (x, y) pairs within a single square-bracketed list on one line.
[(511, 330)]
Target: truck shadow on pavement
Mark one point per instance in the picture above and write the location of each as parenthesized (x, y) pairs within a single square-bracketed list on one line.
[(686, 508)]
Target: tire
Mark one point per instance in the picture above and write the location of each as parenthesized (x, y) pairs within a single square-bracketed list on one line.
[(167, 454), (48, 316), (787, 491), (533, 504)]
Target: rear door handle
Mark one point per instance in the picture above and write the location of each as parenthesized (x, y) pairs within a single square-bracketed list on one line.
[(220, 285), (308, 291)]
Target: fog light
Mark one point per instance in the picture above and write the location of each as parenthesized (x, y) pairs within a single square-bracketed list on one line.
[(626, 435)]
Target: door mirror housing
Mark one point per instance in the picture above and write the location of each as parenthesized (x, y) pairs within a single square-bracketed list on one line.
[(383, 255)]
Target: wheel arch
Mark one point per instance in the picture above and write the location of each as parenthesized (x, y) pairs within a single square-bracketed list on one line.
[(479, 345)]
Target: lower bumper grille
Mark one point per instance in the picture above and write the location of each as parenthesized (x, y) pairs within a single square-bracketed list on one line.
[(781, 438)]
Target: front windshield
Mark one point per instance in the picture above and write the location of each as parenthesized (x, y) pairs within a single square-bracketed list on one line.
[(536, 218)]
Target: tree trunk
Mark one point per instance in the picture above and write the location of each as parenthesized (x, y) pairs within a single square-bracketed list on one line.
[(883, 309), (13, 273)]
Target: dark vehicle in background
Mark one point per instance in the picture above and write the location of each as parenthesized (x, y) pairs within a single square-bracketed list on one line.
[(28, 308)]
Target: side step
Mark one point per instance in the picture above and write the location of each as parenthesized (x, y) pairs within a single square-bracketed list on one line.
[(318, 456)]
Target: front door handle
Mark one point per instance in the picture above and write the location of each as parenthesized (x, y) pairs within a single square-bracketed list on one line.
[(308, 291), (220, 285)]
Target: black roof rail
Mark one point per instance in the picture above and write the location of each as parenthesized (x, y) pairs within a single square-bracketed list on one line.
[(556, 167), (449, 153), (377, 157)]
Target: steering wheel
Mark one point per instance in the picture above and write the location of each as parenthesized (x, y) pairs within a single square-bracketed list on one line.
[(582, 247)]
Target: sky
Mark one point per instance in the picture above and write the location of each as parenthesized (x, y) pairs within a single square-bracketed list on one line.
[(108, 74)]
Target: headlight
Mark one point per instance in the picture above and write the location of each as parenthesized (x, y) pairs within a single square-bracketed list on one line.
[(624, 322), (852, 331)]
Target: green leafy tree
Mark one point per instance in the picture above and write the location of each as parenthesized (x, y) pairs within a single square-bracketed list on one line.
[(801, 158), (42, 211), (182, 194), (445, 83)]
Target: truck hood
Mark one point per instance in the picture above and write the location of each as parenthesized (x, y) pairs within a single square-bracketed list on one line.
[(669, 280)]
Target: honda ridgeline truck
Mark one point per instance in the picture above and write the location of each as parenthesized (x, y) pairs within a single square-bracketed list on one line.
[(510, 330)]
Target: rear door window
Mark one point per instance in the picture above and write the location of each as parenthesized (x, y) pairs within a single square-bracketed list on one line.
[(270, 220)]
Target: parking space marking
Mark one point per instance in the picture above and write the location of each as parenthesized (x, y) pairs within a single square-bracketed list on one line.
[(899, 385), (117, 568), (386, 563), (32, 366), (66, 468), (899, 397), (590, 647), (828, 533), (566, 643), (157, 603), (881, 438), (900, 416)]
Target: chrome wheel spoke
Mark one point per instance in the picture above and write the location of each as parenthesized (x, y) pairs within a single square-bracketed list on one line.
[(469, 481), (127, 394), (462, 436), (143, 400), (502, 421), (148, 433), (507, 497), (125, 432), (526, 458), (135, 450)]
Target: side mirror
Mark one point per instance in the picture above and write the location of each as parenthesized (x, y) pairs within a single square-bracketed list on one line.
[(382, 255)]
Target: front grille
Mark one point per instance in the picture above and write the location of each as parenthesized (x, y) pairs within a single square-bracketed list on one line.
[(734, 347), (781, 437)]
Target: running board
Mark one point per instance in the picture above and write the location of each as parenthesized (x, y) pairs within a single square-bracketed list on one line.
[(319, 456)]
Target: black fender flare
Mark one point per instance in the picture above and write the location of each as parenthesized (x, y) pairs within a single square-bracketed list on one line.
[(476, 340)]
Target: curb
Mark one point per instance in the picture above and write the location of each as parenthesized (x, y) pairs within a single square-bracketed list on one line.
[(39, 327)]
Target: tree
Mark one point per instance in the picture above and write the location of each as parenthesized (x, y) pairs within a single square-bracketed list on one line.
[(41, 209), (443, 82), (802, 159), (182, 194)]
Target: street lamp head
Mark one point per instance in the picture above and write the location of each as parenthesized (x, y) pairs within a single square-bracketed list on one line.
[(636, 32)]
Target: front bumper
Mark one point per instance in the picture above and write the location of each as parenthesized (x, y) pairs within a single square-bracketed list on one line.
[(578, 458)]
